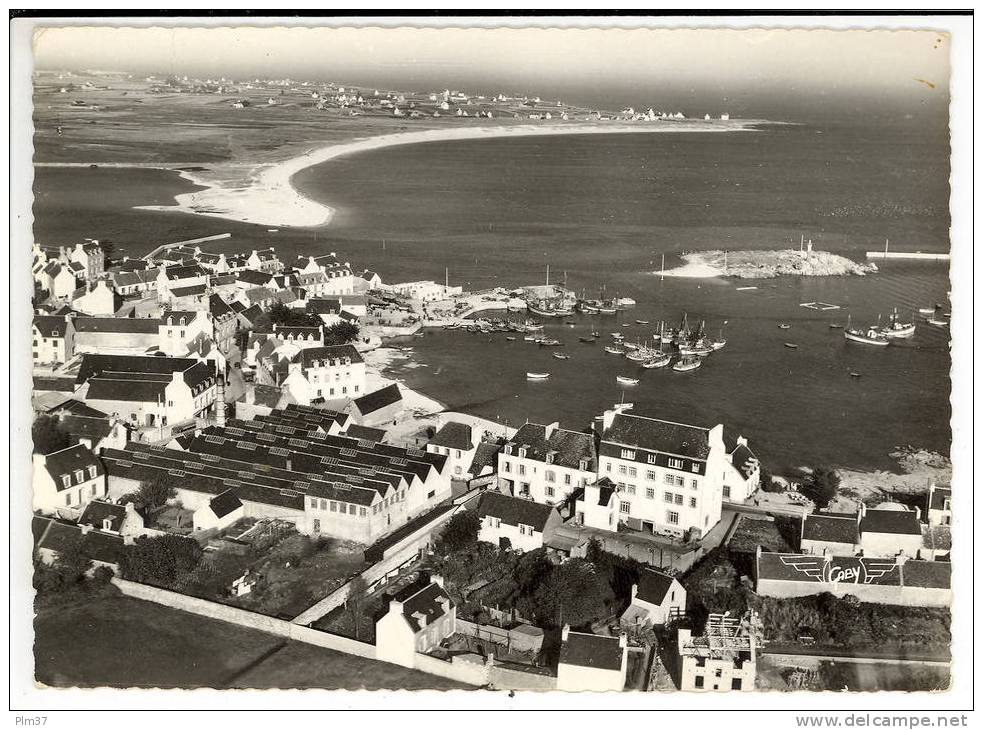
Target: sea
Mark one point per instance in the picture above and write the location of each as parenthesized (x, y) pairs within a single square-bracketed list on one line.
[(604, 212)]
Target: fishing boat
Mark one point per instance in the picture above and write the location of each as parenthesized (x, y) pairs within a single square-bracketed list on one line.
[(791, 346), (625, 380), (784, 326), (720, 342), (929, 310), (638, 355), (854, 375), (619, 407), (561, 356), (537, 376), (617, 335), (641, 321), (699, 348), (630, 346), (872, 336), (607, 309), (685, 364), (897, 329), (660, 361), (531, 326), (548, 342), (936, 322), (835, 326), (624, 302), (531, 338), (615, 350), (586, 339), (510, 339)]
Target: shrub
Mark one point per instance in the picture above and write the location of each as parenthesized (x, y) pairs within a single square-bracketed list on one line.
[(460, 532), (821, 486), (160, 560), (48, 436)]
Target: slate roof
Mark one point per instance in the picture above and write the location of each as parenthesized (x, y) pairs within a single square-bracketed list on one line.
[(218, 307), (830, 528), (127, 389), (252, 276), (653, 586), (485, 455), (453, 435), (259, 294), (569, 447), (422, 600), (60, 385), (266, 395), (78, 408), (189, 291), (378, 399), (195, 373), (890, 522), (50, 326), (937, 537), (323, 305), (101, 546), (226, 503), (86, 427), (190, 271), (657, 435), (97, 512), (589, 650), (66, 461), (743, 459), (309, 355), (515, 511), (927, 574), (120, 325), (366, 433)]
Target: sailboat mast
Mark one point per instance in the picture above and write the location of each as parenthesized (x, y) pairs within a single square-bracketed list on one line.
[(547, 274)]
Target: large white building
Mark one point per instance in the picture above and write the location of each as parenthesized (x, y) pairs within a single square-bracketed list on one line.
[(590, 663), (669, 476), (53, 339), (721, 660), (513, 523), (67, 479), (546, 463), (418, 619), (457, 442)]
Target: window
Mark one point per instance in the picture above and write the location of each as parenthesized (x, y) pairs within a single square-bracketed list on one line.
[(672, 518), (650, 475), (170, 403), (550, 491), (522, 529), (632, 471), (626, 507), (317, 525), (550, 475), (631, 489), (79, 476), (669, 479), (692, 502), (653, 459), (93, 492), (650, 493), (334, 507), (457, 453), (566, 479), (735, 683), (675, 463), (362, 512), (607, 467), (680, 482), (718, 672), (726, 492), (622, 469), (695, 467), (522, 470), (667, 497), (313, 503), (698, 681), (66, 480), (694, 483), (679, 499), (507, 467), (628, 454), (351, 509), (68, 499)]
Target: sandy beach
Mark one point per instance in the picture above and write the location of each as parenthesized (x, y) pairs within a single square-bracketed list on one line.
[(263, 195)]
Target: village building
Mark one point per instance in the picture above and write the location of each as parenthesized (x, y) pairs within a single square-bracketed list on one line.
[(90, 258), (722, 660), (830, 533), (455, 441), (67, 479), (225, 323), (121, 519), (591, 663), (97, 299), (178, 329), (134, 282), (483, 471), (600, 506), (378, 407), (53, 537), (890, 529), (265, 260), (939, 506), (546, 463), (742, 473), (52, 340), (418, 619), (179, 277), (95, 432), (511, 523), (656, 599), (334, 371), (120, 335), (58, 280), (220, 512), (669, 475)]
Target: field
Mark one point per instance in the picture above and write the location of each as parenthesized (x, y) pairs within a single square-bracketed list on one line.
[(124, 642)]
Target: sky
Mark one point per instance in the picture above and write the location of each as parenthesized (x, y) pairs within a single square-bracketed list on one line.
[(578, 65)]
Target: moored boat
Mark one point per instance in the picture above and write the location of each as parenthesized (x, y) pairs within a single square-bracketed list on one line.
[(936, 322), (587, 339), (615, 350), (537, 376), (791, 346), (685, 364), (660, 361), (561, 356), (896, 329), (870, 336), (625, 380)]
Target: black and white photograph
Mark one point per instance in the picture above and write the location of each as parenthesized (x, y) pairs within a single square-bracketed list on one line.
[(493, 359)]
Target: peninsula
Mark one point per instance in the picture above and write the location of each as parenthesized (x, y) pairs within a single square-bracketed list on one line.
[(767, 264)]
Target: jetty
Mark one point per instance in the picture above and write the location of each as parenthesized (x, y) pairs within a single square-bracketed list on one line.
[(912, 255), (190, 242)]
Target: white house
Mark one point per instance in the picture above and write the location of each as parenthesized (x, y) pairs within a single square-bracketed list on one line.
[(600, 507), (546, 463), (91, 257), (67, 479), (890, 529), (670, 475), (457, 442), (721, 661), (58, 280), (265, 260), (335, 371), (178, 329), (121, 519), (418, 619), (830, 533), (97, 299), (656, 599), (53, 339), (742, 473), (591, 663), (219, 512), (515, 524)]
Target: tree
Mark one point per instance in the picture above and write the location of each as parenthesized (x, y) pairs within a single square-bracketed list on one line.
[(821, 486), (573, 593), (460, 532), (48, 436), (284, 316), (768, 483), (155, 493), (160, 560), (341, 333)]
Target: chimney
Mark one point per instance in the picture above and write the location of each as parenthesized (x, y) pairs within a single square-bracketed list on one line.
[(861, 511), (396, 607), (918, 513), (127, 539), (420, 618), (220, 402), (438, 579), (85, 529), (741, 441), (551, 429), (130, 508), (565, 634), (634, 591), (623, 641)]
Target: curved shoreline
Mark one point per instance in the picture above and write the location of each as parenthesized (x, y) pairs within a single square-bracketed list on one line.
[(266, 196)]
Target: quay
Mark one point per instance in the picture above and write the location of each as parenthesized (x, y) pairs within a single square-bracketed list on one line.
[(905, 255), (190, 242)]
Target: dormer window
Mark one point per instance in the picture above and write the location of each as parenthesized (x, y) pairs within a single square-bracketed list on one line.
[(507, 450), (550, 457), (522, 452), (583, 465), (628, 454), (675, 463), (66, 480), (92, 472), (695, 467), (107, 524), (54, 333), (79, 476)]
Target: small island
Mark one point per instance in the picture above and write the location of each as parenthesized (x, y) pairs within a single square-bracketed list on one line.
[(768, 264)]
